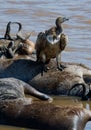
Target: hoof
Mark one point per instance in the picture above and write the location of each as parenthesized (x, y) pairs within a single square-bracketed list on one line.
[(46, 97)]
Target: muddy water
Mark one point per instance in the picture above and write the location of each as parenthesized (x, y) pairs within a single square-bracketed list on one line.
[(38, 15)]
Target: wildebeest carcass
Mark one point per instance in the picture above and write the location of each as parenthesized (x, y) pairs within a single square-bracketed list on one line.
[(10, 46)]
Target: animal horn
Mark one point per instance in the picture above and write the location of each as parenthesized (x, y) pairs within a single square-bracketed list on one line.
[(7, 33), (20, 25), (8, 29), (85, 90)]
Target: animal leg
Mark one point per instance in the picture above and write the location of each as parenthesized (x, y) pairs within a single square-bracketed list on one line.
[(32, 91), (58, 60), (42, 58)]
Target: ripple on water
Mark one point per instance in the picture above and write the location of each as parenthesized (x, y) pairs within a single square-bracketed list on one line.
[(40, 15)]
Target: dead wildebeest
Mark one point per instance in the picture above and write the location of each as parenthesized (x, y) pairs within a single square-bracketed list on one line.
[(17, 110), (71, 81), (52, 82), (11, 46)]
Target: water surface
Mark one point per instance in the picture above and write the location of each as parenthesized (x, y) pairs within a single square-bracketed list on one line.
[(38, 16)]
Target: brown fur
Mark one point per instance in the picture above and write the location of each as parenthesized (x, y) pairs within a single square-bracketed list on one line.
[(54, 81), (45, 115), (11, 47), (28, 47)]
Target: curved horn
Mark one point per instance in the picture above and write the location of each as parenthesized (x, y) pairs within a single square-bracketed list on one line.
[(7, 33), (85, 90), (20, 25)]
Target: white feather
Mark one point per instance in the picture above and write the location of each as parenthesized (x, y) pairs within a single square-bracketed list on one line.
[(50, 39)]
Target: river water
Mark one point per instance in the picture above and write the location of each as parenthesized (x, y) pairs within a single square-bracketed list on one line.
[(40, 15)]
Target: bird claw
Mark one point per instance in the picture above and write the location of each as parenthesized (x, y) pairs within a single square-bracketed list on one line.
[(45, 69), (61, 67)]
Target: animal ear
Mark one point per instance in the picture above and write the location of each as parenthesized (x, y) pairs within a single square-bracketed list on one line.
[(22, 37)]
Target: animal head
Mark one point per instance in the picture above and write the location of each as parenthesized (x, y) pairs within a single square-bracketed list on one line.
[(18, 36), (53, 34), (17, 41), (60, 20)]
